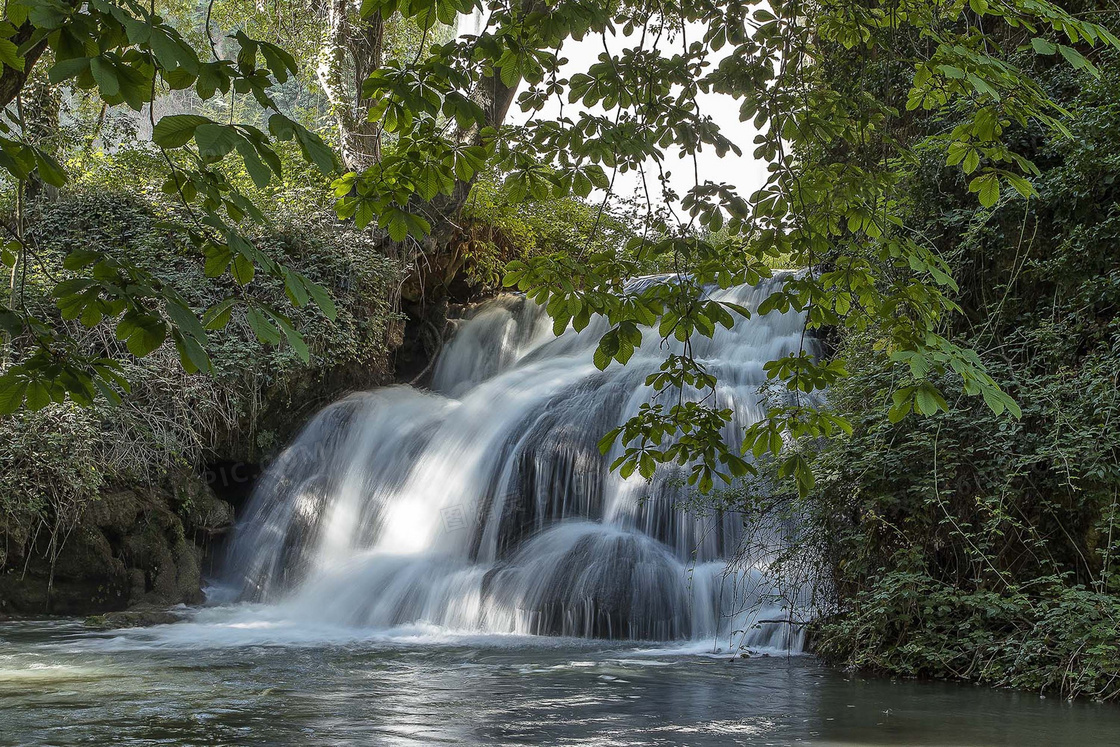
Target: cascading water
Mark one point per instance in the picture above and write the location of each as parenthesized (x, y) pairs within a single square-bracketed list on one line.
[(486, 506)]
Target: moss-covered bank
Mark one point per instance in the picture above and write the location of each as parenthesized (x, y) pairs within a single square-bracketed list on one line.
[(110, 506), (973, 545)]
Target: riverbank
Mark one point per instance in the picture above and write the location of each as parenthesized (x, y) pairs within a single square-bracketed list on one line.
[(105, 507), (142, 546)]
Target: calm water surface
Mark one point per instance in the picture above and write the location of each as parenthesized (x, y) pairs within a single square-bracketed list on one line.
[(215, 682)]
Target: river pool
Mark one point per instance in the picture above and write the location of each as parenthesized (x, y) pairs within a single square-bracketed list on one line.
[(220, 680)]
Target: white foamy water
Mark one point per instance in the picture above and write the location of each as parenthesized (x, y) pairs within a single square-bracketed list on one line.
[(485, 506)]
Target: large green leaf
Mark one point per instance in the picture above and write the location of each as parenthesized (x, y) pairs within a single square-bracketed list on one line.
[(216, 140), (176, 130), (264, 329), (12, 390)]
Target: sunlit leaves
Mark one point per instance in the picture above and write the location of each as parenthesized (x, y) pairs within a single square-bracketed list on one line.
[(126, 54), (987, 187), (175, 130)]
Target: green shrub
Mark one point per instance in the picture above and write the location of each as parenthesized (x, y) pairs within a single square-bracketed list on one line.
[(972, 545), (55, 461)]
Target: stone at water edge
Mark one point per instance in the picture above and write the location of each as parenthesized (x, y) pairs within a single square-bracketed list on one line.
[(140, 616)]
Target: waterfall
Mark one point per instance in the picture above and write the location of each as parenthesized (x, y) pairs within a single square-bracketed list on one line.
[(485, 505)]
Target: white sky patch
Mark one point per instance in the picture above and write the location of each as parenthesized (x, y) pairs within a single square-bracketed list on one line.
[(744, 171)]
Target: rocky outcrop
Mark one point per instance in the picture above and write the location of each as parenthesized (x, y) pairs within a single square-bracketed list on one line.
[(138, 546)]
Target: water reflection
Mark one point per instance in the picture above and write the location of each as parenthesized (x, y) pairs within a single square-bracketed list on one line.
[(61, 685)]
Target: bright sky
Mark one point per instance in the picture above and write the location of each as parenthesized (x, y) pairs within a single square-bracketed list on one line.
[(744, 171)]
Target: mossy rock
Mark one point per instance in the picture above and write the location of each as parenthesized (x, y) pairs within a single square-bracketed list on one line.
[(115, 511), (188, 572), (200, 505), (140, 616), (88, 555), (150, 550)]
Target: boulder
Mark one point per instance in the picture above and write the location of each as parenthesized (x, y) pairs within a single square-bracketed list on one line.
[(140, 616), (88, 555), (188, 572), (115, 511), (134, 545)]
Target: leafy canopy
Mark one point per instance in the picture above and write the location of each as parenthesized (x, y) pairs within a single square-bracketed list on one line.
[(832, 201), (130, 56)]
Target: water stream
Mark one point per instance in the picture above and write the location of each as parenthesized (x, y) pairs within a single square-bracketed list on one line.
[(459, 566), (485, 505), (209, 683)]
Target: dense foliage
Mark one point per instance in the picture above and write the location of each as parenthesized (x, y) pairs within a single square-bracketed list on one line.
[(831, 196), (130, 55), (831, 200), (56, 461), (967, 545)]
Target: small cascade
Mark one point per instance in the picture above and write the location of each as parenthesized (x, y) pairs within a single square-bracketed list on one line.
[(485, 505)]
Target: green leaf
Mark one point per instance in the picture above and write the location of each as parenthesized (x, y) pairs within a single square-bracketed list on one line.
[(218, 315), (10, 322), (258, 172), (982, 86), (243, 269), (12, 390), (1041, 46), (66, 69), (265, 330), (192, 355), (10, 56), (322, 300), (928, 401), (279, 61), (313, 148), (1078, 60), (993, 400), (218, 257), (79, 258), (1021, 185), (147, 337), (510, 73), (216, 140), (211, 77), (903, 401), (295, 339), (106, 76), (50, 170), (987, 185), (176, 130), (38, 395), (185, 320), (602, 358)]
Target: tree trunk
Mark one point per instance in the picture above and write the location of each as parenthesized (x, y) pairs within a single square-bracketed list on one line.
[(352, 51), (12, 80)]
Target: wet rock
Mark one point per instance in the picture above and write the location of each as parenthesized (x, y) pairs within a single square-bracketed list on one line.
[(140, 545), (116, 511), (219, 515), (204, 510), (163, 572), (140, 616), (137, 582), (188, 572), (87, 554)]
